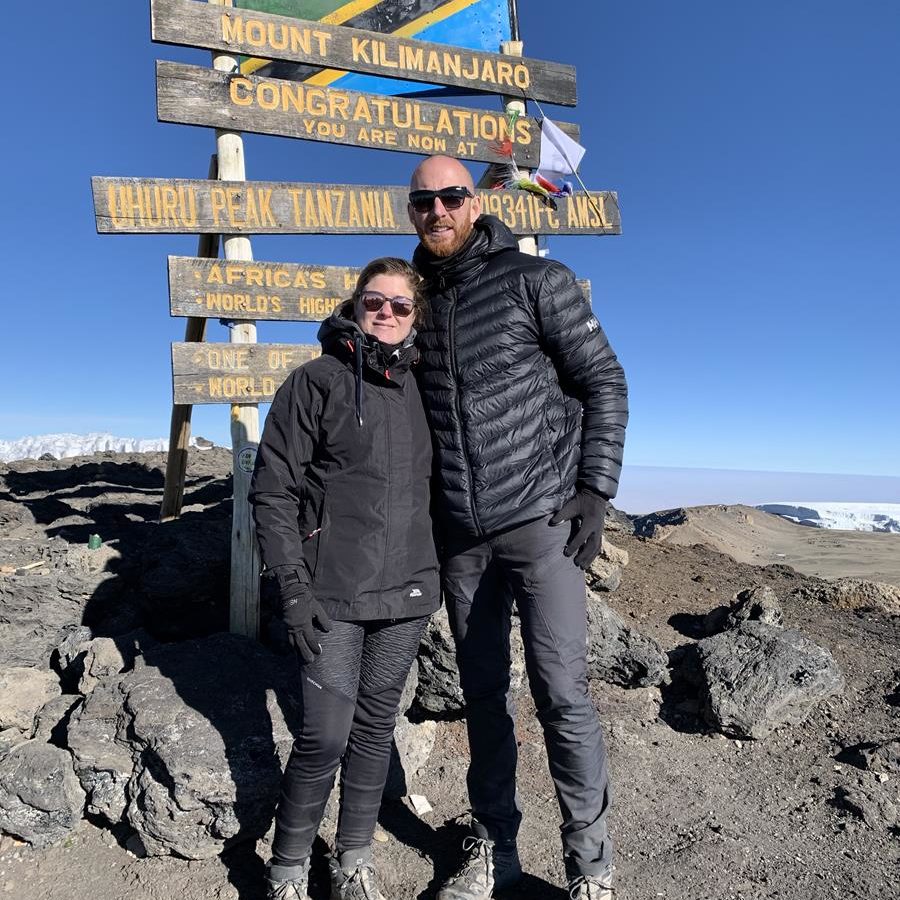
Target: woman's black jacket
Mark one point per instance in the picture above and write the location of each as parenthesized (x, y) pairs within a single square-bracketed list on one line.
[(344, 502)]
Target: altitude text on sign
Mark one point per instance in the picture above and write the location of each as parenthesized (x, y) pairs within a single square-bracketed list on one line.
[(234, 373), (213, 288), (251, 33), (183, 206), (193, 95)]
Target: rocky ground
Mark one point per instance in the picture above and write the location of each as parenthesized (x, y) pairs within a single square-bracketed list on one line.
[(752, 714)]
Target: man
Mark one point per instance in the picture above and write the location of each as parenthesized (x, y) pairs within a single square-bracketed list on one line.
[(528, 407)]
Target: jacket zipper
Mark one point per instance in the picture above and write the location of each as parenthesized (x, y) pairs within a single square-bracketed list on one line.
[(390, 468), (459, 413)]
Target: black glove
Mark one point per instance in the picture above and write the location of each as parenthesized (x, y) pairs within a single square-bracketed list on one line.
[(298, 610), (590, 511)]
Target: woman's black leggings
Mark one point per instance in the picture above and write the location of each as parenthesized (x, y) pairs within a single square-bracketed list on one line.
[(349, 695)]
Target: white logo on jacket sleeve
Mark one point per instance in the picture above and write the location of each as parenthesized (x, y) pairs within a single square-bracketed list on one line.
[(592, 324), (415, 592)]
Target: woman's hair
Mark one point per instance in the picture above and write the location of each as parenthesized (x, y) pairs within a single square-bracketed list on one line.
[(393, 265)]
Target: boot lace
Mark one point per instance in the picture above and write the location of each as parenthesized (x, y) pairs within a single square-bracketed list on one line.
[(361, 883), (479, 858), (587, 887)]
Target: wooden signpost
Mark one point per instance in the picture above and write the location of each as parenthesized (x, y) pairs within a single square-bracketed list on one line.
[(182, 206), (241, 372), (215, 289), (192, 95), (269, 36), (234, 373)]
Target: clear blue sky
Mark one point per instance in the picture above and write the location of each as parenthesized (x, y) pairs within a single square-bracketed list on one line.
[(753, 296)]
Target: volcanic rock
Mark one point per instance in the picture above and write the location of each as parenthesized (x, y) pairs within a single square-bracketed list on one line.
[(438, 689), (757, 604), (757, 677), (856, 593), (23, 691), (618, 653), (41, 800), (189, 746)]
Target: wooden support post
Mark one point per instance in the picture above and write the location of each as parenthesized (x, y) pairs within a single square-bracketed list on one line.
[(527, 243), (180, 428), (244, 596)]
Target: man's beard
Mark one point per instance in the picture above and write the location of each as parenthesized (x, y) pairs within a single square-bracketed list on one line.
[(443, 249)]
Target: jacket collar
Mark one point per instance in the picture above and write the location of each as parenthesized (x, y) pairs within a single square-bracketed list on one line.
[(489, 237), (339, 336)]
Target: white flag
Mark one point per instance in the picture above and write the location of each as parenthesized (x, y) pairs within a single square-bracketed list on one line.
[(560, 155)]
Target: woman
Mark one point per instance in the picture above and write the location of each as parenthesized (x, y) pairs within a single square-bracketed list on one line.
[(341, 502)]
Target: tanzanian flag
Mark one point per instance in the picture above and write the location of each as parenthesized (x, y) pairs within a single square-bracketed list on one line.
[(474, 24)]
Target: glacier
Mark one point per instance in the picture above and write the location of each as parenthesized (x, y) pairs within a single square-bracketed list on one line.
[(61, 446), (877, 517)]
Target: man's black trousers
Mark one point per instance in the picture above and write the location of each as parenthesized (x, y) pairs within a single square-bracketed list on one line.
[(350, 695), (481, 579)]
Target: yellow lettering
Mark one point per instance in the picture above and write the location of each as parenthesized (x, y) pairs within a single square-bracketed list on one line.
[(267, 95), (235, 87), (292, 95), (295, 199), (338, 212), (323, 200), (232, 29), (388, 210), (300, 39), (412, 57), (444, 125), (359, 48), (187, 199), (217, 203), (367, 202), (452, 64), (256, 33), (338, 105), (310, 218), (323, 37), (232, 202), (278, 40), (353, 214), (361, 110)]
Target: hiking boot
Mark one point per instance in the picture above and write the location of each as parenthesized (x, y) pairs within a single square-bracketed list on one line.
[(489, 866), (590, 887), (353, 876), (287, 882)]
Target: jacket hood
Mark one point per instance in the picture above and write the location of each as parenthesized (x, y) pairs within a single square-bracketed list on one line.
[(489, 237), (341, 337)]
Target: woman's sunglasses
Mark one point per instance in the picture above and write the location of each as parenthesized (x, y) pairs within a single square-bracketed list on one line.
[(450, 197), (374, 300)]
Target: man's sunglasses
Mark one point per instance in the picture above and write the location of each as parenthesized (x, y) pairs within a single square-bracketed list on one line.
[(450, 197), (374, 300)]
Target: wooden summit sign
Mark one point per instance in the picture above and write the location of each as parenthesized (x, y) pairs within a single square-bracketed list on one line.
[(251, 33), (217, 288), (194, 206), (193, 95), (234, 373), (273, 291)]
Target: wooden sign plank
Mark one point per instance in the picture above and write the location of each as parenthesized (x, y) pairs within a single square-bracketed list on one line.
[(275, 291), (194, 206), (194, 95), (234, 373), (251, 33), (265, 291)]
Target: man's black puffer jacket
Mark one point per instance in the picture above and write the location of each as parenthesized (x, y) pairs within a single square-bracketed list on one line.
[(348, 505), (524, 395)]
